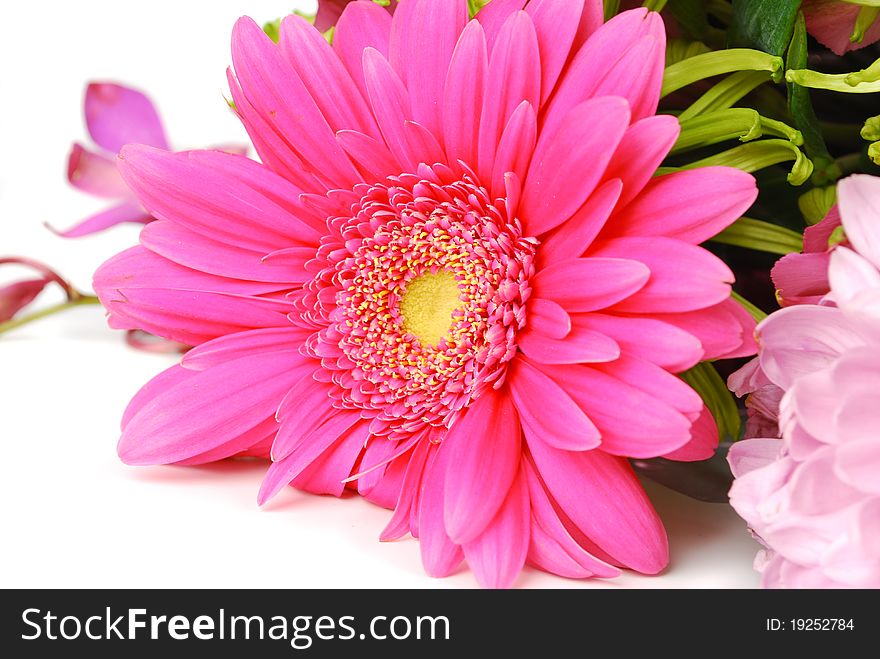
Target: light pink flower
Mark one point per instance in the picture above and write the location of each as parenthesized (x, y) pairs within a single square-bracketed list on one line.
[(115, 116), (832, 23), (454, 280), (813, 497)]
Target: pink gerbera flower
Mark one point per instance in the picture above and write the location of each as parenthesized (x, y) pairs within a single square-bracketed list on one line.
[(452, 280)]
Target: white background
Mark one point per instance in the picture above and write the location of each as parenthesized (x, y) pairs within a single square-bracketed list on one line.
[(72, 514)]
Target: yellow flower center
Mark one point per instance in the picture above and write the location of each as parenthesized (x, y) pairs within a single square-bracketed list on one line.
[(428, 304)]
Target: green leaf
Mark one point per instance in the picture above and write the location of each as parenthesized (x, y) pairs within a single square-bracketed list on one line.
[(761, 236), (654, 5), (764, 24), (716, 63), (691, 15), (754, 311), (473, 6), (611, 8), (271, 28), (704, 379)]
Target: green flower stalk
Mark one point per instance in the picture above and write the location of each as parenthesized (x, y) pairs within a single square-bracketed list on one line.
[(866, 81), (726, 93), (716, 63), (743, 124), (761, 236), (755, 156)]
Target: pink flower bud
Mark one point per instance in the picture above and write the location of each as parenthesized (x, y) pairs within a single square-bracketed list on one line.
[(17, 295)]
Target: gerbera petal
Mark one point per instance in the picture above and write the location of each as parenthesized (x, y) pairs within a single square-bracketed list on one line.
[(399, 524), (142, 290), (515, 148), (363, 24), (463, 94), (390, 102), (493, 15), (548, 413), (597, 59), (167, 379), (206, 199), (580, 346), (326, 79), (556, 24), (181, 245), (670, 347), (270, 146), (551, 546), (602, 497), (514, 77), (244, 344), (484, 446), (327, 473), (498, 554), (658, 383), (279, 95), (421, 56), (117, 115), (344, 424), (305, 407), (247, 441), (719, 328), (547, 318), (640, 152), (575, 235), (683, 277), (372, 155), (422, 143), (207, 409), (440, 555), (609, 280), (691, 205), (569, 162), (631, 421), (703, 441), (386, 492)]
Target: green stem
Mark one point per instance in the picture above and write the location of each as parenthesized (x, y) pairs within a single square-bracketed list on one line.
[(849, 164), (77, 301), (716, 63)]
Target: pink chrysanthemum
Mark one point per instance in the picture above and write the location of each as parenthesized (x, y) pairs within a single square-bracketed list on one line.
[(452, 280), (813, 496)]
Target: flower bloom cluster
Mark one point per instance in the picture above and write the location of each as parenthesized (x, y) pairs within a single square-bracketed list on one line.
[(813, 496)]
